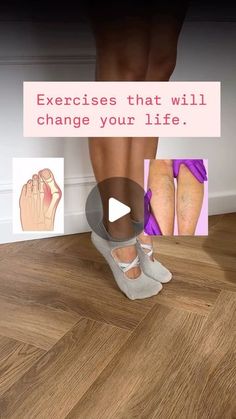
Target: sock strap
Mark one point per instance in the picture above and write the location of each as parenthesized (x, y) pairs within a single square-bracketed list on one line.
[(147, 247), (126, 266)]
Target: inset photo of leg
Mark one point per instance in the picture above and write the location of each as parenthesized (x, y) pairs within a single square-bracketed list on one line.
[(38, 195), (176, 198)]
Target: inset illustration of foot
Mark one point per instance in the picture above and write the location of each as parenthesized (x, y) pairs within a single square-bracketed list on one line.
[(39, 200)]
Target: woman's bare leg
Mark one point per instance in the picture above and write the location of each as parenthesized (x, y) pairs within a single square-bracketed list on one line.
[(190, 194), (161, 63), (129, 57), (161, 183), (121, 55), (109, 159), (141, 148)]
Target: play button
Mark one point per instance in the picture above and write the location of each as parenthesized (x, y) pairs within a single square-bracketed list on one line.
[(117, 210), (114, 202)]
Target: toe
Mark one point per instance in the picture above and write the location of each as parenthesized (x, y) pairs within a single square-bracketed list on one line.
[(35, 184), (49, 180), (23, 193), (29, 188), (41, 184), (46, 174)]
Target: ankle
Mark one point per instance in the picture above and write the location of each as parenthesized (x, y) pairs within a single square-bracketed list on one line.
[(147, 245), (127, 255), (144, 238)]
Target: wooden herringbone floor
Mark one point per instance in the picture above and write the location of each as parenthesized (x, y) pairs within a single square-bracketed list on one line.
[(72, 346)]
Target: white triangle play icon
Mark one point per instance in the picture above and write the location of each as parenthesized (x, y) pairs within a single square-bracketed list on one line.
[(117, 209)]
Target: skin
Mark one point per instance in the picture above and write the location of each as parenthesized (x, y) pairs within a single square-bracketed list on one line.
[(135, 49), (189, 201), (161, 183), (38, 202), (189, 197)]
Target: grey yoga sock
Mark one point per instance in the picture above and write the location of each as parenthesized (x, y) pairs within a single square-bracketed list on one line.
[(138, 288), (152, 268)]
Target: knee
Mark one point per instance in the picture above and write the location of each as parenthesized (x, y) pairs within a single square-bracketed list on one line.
[(163, 178), (164, 187), (167, 164), (162, 66), (121, 64), (131, 69), (165, 167)]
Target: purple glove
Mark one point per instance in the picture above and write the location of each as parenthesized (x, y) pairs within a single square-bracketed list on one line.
[(151, 226), (196, 167)]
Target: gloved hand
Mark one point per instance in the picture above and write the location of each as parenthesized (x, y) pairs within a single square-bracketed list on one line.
[(196, 167), (151, 226)]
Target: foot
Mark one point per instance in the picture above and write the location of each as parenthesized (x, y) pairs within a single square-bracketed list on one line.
[(139, 288), (38, 202), (148, 263), (127, 255), (145, 239)]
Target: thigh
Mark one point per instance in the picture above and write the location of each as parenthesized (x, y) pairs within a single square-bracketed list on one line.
[(124, 39), (165, 28), (121, 32)]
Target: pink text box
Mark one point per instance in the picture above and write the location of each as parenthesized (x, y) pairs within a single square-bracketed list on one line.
[(122, 109)]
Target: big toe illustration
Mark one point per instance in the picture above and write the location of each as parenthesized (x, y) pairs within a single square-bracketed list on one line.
[(39, 201)]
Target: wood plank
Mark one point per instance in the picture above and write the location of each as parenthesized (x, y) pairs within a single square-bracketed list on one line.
[(219, 243), (77, 245), (212, 257), (213, 220), (35, 324), (198, 273), (186, 295), (15, 359), (213, 379), (179, 362), (71, 285), (60, 378), (128, 387), (204, 385), (8, 249), (191, 375), (216, 242), (227, 223)]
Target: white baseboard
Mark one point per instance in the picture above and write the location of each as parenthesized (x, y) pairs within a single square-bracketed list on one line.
[(222, 202), (75, 222)]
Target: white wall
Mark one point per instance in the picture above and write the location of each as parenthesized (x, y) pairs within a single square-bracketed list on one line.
[(66, 52)]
